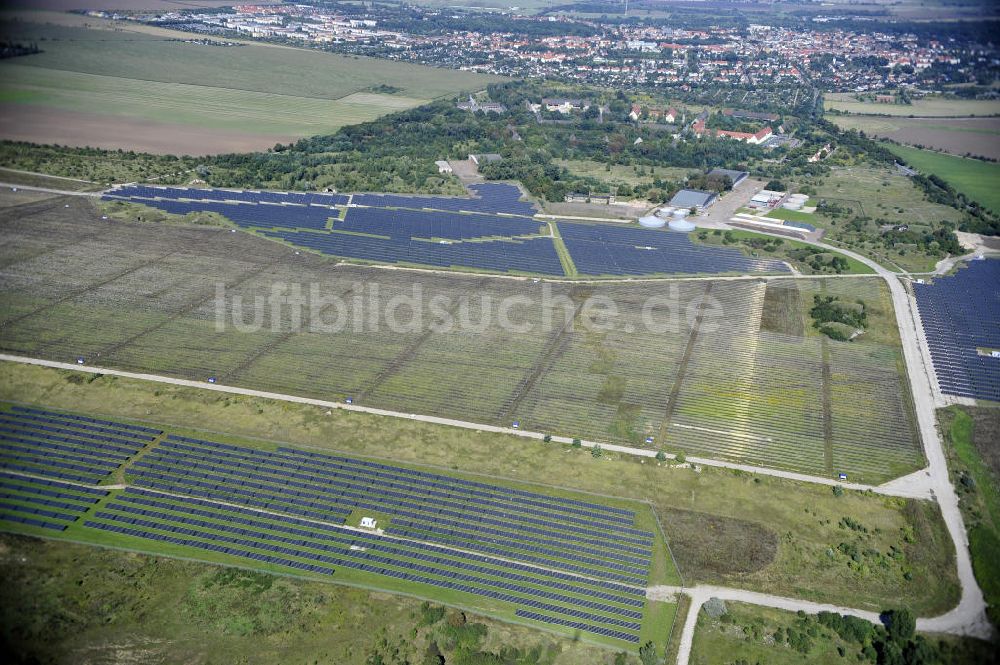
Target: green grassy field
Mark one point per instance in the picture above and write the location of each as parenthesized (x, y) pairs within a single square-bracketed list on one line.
[(135, 82), (972, 460), (976, 179), (931, 106), (70, 602), (620, 173), (641, 374), (733, 529)]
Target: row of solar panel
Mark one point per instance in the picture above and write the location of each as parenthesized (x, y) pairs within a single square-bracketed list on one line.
[(438, 480), (56, 426), (631, 574), (69, 451), (7, 479), (111, 444), (303, 550), (247, 196), (423, 224), (349, 546), (53, 473), (601, 249), (371, 541), (48, 503), (960, 315), (577, 625), (423, 478), (10, 459), (214, 547), (6, 508), (534, 255), (250, 215), (31, 521), (373, 498), (267, 501), (361, 478), (153, 432)]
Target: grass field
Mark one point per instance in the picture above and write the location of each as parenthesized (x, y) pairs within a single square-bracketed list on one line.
[(405, 552), (885, 197), (973, 462), (927, 107), (619, 173), (733, 390), (69, 602), (762, 533), (751, 634), (145, 90), (976, 179), (978, 137)]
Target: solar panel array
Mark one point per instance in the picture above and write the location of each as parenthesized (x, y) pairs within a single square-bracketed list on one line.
[(50, 504), (961, 315), (427, 224), (66, 446), (396, 228), (534, 255), (548, 554), (603, 249)]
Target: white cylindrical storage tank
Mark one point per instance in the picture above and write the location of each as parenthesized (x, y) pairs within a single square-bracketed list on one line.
[(681, 224), (791, 205), (652, 222), (666, 211), (681, 213)]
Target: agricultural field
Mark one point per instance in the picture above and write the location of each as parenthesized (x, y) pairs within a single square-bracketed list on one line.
[(164, 94), (974, 178), (974, 137), (544, 355), (733, 529), (886, 197), (927, 107)]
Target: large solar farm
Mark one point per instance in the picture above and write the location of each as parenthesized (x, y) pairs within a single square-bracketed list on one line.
[(753, 383), (492, 230), (960, 314), (507, 550)]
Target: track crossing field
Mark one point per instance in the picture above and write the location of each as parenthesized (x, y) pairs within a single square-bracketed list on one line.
[(751, 381)]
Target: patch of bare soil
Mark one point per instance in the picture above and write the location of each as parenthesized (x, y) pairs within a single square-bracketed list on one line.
[(23, 122)]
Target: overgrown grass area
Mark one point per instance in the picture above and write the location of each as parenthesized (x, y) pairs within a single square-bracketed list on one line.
[(67, 602), (970, 442), (973, 177), (752, 635), (859, 203), (807, 259), (904, 553)]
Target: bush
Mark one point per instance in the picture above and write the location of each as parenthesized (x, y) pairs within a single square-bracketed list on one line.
[(680, 457), (714, 607), (577, 443), (838, 490), (661, 456), (547, 438), (596, 451)]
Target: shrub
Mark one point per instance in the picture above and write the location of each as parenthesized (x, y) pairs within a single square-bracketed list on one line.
[(547, 438), (596, 451), (661, 456), (838, 490), (681, 457), (714, 607), (577, 443)]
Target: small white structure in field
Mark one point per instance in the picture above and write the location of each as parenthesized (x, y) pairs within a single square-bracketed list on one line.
[(368, 522)]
